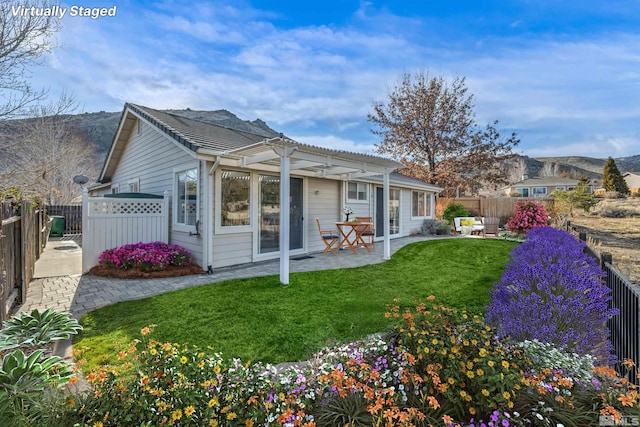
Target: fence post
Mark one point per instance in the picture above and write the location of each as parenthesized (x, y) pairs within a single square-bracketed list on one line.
[(568, 226), (605, 257), (582, 236)]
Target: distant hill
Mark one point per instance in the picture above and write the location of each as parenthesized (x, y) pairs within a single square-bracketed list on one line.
[(100, 128)]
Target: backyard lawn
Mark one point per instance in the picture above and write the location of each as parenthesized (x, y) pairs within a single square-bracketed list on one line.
[(260, 319)]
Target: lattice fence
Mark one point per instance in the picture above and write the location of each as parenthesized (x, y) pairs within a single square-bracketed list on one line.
[(111, 222)]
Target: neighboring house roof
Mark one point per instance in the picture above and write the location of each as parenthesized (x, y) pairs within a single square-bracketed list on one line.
[(632, 179), (241, 149), (544, 182)]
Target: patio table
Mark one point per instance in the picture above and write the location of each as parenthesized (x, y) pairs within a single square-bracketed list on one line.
[(351, 238)]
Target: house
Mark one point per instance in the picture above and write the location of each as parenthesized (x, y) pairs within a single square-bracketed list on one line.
[(541, 187), (633, 181), (225, 187)]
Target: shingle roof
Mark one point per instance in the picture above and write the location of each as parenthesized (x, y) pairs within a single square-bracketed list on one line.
[(195, 134)]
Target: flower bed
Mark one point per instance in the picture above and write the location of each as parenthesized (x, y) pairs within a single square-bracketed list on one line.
[(145, 260), (438, 366)]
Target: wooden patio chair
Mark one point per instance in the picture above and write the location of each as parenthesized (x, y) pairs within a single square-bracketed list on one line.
[(368, 232), (330, 238)]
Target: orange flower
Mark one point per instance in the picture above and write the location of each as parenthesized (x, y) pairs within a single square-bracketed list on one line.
[(447, 420), (626, 400), (145, 330)]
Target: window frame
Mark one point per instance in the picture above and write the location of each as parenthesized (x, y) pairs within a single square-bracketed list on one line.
[(535, 194), (358, 185), (180, 226), (233, 229), (133, 183), (426, 205), (521, 190)]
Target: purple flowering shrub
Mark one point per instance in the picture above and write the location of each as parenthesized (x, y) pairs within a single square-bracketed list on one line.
[(145, 256), (529, 215), (553, 292)]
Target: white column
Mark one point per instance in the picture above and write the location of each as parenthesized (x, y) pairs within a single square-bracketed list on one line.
[(385, 216), (285, 190)]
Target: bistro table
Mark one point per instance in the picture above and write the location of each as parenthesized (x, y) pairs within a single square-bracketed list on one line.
[(351, 235)]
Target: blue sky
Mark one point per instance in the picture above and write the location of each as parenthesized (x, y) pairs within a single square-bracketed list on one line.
[(565, 76)]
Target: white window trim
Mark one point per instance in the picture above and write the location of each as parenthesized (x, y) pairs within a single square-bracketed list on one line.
[(179, 226), (534, 194), (561, 187), (135, 182), (357, 201), (427, 196), (219, 228)]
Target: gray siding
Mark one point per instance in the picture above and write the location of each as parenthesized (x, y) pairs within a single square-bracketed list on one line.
[(151, 157), (325, 206)]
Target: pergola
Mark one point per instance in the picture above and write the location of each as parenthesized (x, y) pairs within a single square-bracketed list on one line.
[(283, 155)]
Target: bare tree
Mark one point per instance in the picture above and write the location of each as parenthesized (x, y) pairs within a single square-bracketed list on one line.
[(517, 169), (44, 153), (24, 37), (430, 126), (549, 169)]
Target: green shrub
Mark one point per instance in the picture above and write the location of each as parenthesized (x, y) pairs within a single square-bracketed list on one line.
[(454, 210)]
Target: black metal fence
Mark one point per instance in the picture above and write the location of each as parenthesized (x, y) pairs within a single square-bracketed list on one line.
[(72, 217), (625, 297)]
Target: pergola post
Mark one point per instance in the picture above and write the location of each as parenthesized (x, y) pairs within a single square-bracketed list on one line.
[(385, 216), (285, 190)]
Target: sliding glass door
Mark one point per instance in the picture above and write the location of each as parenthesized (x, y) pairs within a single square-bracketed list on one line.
[(269, 228)]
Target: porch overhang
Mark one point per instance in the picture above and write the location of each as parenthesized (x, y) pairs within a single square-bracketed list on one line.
[(305, 160), (284, 156)]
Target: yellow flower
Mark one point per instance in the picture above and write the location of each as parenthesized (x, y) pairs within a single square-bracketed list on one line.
[(216, 369), (183, 359), (153, 351), (248, 423), (505, 364), (485, 392), (463, 393), (231, 416), (510, 404), (98, 424), (214, 402), (188, 411), (483, 352), (176, 415), (470, 374), (213, 423), (480, 372), (506, 395), (434, 341), (490, 363), (472, 410), (451, 381)]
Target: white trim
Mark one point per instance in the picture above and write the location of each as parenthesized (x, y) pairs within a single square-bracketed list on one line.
[(136, 183), (230, 229), (427, 198), (115, 188), (181, 227), (358, 201)]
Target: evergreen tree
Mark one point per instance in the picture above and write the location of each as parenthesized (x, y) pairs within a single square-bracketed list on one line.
[(580, 197), (612, 179)]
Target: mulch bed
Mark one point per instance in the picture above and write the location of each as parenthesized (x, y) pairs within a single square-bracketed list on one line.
[(133, 273)]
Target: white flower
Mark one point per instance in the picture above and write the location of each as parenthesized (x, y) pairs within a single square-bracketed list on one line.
[(347, 210)]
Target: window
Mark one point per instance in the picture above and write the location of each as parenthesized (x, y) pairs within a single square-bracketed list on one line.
[(115, 189), (357, 192), (420, 204), (539, 191), (186, 204), (133, 186), (235, 198), (562, 187), (524, 192)]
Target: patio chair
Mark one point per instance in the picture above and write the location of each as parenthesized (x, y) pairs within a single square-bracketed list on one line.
[(330, 238), (368, 232)]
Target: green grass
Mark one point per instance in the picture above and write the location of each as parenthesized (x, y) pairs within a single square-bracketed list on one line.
[(260, 319)]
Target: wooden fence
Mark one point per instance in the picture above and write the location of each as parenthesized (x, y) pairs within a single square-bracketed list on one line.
[(24, 232), (72, 217), (625, 297), (500, 207)]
